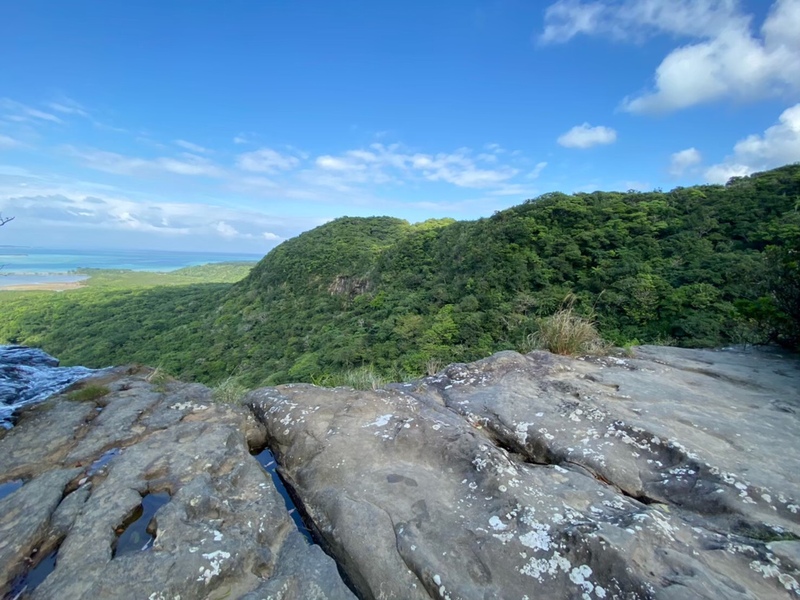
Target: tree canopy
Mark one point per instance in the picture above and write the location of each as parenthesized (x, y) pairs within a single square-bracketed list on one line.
[(702, 266)]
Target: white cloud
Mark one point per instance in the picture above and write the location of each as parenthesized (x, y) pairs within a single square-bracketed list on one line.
[(111, 162), (381, 164), (633, 20), (266, 160), (196, 148), (586, 136), (21, 112), (244, 138), (777, 146), (58, 214), (68, 106), (226, 230), (725, 59), (537, 170), (683, 160), (331, 163), (515, 189), (7, 142)]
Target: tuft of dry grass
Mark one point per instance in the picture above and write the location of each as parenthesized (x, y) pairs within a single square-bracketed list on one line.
[(229, 391), (566, 332)]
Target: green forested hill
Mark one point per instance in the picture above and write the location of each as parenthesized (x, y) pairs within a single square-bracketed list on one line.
[(700, 266)]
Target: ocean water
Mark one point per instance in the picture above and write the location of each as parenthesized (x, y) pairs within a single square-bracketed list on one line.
[(25, 266)]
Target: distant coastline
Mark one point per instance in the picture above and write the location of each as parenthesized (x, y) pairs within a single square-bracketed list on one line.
[(54, 269)]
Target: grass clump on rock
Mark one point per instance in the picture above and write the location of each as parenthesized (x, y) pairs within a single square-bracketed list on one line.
[(88, 393), (567, 332), (229, 391)]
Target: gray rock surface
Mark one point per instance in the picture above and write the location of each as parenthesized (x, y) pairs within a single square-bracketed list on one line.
[(224, 533), (672, 474)]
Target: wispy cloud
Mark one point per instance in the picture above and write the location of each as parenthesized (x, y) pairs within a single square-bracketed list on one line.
[(381, 164), (196, 148), (7, 142), (244, 138), (266, 160), (681, 161), (112, 162), (68, 106), (725, 60), (19, 112), (116, 213), (586, 136), (537, 170)]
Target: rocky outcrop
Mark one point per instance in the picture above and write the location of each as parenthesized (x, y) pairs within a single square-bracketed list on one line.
[(672, 474), (222, 529)]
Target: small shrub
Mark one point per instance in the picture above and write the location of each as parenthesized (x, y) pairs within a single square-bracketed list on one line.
[(627, 347), (159, 378), (89, 393), (229, 391), (362, 378), (433, 366), (566, 332)]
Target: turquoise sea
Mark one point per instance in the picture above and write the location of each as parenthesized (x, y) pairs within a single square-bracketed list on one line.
[(25, 265)]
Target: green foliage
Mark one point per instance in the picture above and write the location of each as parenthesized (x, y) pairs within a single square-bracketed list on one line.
[(159, 378), (88, 393), (229, 391), (362, 378), (380, 298)]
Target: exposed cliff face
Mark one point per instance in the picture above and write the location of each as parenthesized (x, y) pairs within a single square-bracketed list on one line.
[(668, 475)]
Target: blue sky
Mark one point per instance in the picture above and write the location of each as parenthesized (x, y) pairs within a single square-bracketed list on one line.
[(230, 126)]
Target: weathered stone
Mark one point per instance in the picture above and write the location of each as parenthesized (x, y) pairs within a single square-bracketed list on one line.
[(24, 453), (224, 531), (670, 475), (660, 476), (25, 520)]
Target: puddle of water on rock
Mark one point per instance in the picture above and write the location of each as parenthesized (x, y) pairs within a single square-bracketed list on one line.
[(101, 462), (134, 536), (9, 487), (266, 459), (27, 582)]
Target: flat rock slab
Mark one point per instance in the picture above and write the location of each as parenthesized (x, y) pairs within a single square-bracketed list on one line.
[(223, 533), (671, 474)]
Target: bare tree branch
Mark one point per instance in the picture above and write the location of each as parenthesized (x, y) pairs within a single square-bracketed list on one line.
[(4, 220)]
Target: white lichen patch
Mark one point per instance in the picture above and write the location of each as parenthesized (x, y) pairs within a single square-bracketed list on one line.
[(539, 567), (580, 576), (188, 406), (381, 421), (770, 570), (538, 538), (521, 432), (504, 537), (215, 560)]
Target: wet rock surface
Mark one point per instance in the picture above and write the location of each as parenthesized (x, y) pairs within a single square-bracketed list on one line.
[(219, 527), (671, 474), (29, 375)]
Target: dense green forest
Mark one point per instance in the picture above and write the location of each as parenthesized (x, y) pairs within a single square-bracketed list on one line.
[(700, 266)]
